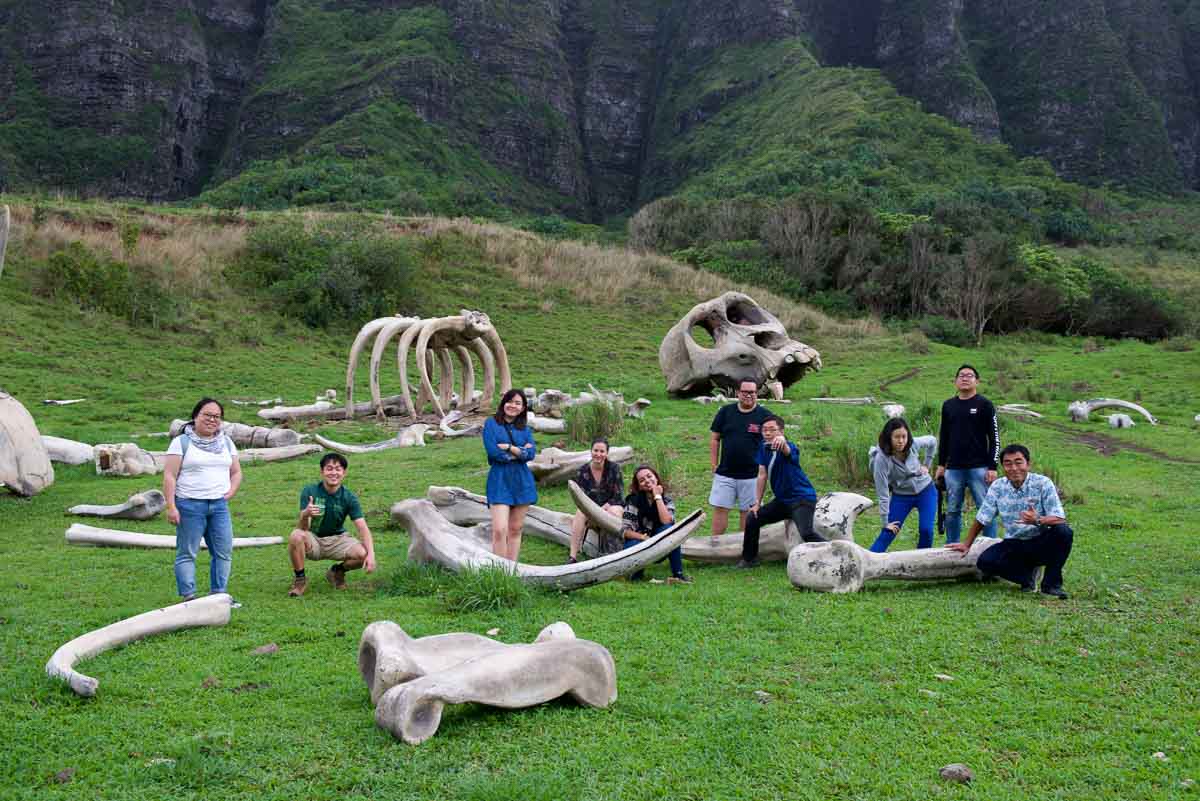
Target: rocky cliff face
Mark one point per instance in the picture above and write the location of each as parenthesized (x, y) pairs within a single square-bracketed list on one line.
[(152, 98)]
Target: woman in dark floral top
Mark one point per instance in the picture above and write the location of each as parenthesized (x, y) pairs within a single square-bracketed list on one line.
[(649, 510), (601, 480)]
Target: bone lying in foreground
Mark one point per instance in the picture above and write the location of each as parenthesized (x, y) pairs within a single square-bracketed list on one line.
[(68, 451), (843, 566), (79, 534), (142, 506), (436, 539), (24, 464), (411, 680), (464, 508), (211, 610)]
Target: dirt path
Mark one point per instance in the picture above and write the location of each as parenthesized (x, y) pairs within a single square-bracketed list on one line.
[(910, 374), (1106, 445)]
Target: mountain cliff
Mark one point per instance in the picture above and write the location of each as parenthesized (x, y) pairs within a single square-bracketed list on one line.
[(587, 107)]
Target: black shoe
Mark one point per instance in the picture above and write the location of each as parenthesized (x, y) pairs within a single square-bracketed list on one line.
[(682, 578), (1028, 587), (639, 575), (571, 560), (1057, 592), (747, 563)]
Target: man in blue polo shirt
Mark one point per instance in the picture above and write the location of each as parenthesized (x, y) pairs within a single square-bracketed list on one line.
[(795, 499), (1035, 527)]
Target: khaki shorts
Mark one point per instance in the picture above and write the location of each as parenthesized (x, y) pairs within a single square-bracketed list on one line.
[(337, 546)]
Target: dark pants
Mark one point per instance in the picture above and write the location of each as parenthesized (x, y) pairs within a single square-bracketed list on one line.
[(1016, 559), (800, 513), (675, 557)]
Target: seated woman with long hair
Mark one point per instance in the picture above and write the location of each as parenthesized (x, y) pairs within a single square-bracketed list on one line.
[(602, 482), (649, 510)]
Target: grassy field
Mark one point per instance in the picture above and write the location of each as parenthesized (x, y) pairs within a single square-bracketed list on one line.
[(1048, 699)]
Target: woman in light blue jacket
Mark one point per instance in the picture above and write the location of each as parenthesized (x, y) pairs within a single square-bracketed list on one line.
[(902, 483)]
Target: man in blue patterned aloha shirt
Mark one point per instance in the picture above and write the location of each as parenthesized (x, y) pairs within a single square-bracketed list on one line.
[(1035, 526)]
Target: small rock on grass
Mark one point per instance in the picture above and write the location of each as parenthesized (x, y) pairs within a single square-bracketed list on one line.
[(65, 775), (493, 632), (943, 677), (1187, 784), (1160, 756), (929, 693), (762, 696), (957, 772), (265, 650)]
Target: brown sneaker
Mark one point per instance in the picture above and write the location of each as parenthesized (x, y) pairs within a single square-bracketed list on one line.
[(337, 578), (299, 585)]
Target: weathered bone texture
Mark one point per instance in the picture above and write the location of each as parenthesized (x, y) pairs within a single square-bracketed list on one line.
[(405, 438), (436, 539), (554, 466), (49, 402), (1018, 409), (843, 566), (445, 425), (553, 403), (280, 454), (68, 451), (833, 519), (5, 219), (324, 410), (1079, 410), (211, 610), (125, 459), (704, 400), (546, 425), (411, 680), (1120, 421), (892, 410), (142, 506), (24, 464), (749, 343), (866, 400), (267, 402), (464, 508), (245, 436), (442, 340), (79, 534)]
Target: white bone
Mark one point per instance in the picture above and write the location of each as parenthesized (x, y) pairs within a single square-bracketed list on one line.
[(464, 508), (411, 680), (843, 566), (1017, 409), (79, 534), (405, 438), (863, 401), (211, 610), (142, 506), (68, 451), (553, 466), (245, 436), (1120, 421), (447, 422), (124, 459), (24, 464), (1079, 410), (436, 539), (49, 402), (893, 410), (546, 425)]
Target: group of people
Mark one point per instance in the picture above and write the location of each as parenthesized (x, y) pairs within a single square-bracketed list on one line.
[(748, 452)]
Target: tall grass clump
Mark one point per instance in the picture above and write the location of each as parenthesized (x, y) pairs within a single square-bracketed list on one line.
[(96, 281), (414, 579), (321, 270), (593, 421), (485, 589), (848, 456)]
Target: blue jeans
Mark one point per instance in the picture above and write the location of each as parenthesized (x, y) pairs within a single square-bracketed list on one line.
[(675, 557), (957, 481), (208, 521), (925, 502)]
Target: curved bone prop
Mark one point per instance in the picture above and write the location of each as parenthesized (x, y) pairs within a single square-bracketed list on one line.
[(142, 506), (24, 463), (68, 451), (446, 423), (5, 219), (436, 539), (463, 508), (211, 610), (79, 534), (1018, 409), (554, 466), (245, 436), (749, 343), (430, 672), (1079, 410), (833, 519), (405, 438), (843, 566)]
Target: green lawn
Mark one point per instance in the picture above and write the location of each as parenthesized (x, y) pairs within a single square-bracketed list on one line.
[(1049, 700)]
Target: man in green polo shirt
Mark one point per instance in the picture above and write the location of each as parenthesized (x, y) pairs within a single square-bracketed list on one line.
[(320, 534)]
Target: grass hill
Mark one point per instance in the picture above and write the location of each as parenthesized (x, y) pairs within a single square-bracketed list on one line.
[(1046, 699)]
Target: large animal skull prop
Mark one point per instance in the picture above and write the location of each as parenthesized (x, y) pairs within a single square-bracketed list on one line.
[(749, 343)]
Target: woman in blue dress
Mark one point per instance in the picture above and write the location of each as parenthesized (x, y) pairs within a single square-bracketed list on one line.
[(510, 486)]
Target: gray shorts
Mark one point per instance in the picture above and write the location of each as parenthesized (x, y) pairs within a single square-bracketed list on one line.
[(730, 493)]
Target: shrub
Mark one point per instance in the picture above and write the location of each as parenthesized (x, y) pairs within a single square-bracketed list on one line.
[(594, 421), (337, 269), (851, 467), (917, 342), (95, 281), (947, 331), (486, 589)]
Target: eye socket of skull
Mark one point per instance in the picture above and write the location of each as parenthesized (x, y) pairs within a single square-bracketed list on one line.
[(743, 313)]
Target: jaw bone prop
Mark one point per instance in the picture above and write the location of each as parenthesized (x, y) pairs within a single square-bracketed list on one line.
[(142, 506), (749, 344), (833, 519), (442, 339), (411, 680), (1079, 410), (436, 539), (843, 566)]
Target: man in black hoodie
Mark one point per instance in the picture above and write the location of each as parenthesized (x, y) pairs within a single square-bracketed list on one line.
[(968, 447)]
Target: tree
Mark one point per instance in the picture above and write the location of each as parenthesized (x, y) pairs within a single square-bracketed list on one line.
[(982, 282)]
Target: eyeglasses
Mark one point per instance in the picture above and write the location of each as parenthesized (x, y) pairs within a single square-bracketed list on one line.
[(747, 392), (209, 416), (968, 375)]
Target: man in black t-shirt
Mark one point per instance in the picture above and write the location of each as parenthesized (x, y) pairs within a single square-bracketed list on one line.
[(968, 447), (736, 435)]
